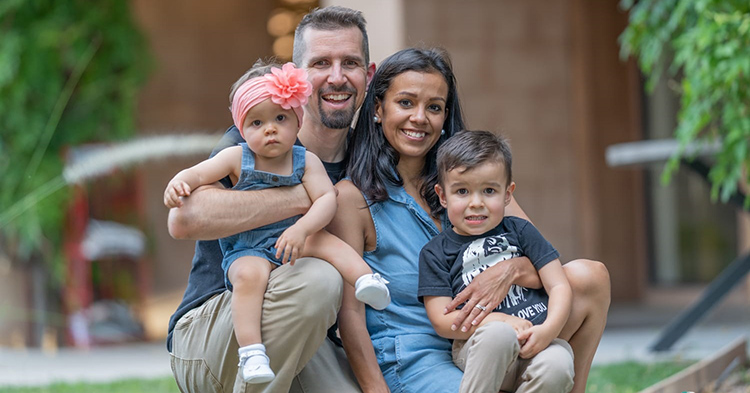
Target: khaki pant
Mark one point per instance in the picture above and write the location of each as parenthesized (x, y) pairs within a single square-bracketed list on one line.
[(300, 304), (489, 359)]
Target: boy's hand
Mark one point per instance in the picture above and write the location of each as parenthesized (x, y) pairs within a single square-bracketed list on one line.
[(291, 244), (536, 339), (175, 190), (518, 324)]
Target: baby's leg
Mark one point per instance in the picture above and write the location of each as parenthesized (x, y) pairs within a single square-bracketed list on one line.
[(249, 278), (335, 251), (369, 288)]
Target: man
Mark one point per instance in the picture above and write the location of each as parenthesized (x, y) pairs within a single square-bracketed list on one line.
[(301, 301)]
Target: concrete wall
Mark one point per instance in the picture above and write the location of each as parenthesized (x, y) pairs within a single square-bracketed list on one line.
[(547, 75), (200, 49)]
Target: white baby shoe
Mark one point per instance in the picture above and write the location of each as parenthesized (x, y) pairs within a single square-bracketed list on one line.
[(371, 290), (254, 364)]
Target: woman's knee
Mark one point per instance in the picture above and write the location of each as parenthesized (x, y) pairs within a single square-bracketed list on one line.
[(589, 279)]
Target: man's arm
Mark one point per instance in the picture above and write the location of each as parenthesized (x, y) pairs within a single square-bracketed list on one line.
[(213, 212)]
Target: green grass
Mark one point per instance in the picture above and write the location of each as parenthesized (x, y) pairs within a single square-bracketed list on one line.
[(630, 377), (161, 385), (627, 377)]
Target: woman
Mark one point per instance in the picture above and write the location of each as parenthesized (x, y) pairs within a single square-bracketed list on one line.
[(411, 107)]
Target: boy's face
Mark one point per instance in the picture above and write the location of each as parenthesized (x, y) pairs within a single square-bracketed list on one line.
[(475, 199), (269, 129)]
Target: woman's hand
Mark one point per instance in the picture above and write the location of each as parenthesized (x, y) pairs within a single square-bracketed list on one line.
[(489, 288)]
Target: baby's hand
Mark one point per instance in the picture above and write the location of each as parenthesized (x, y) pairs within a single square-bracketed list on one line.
[(291, 244), (175, 190), (537, 338)]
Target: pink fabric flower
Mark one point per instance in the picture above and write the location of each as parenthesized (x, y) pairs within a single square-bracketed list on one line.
[(288, 86)]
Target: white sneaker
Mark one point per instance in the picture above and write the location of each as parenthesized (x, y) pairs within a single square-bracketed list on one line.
[(371, 290), (255, 369)]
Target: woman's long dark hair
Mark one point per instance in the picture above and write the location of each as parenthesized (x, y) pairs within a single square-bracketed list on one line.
[(370, 159)]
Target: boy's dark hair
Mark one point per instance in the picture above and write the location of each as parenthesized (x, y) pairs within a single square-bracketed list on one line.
[(470, 149), (260, 68), (329, 18)]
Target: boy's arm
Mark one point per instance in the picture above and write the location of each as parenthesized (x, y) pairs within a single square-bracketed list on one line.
[(223, 164), (560, 298), (489, 288), (443, 322)]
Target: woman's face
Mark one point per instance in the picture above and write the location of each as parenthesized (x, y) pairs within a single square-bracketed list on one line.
[(413, 111)]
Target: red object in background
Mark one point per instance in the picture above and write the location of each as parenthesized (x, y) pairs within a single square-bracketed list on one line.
[(107, 274)]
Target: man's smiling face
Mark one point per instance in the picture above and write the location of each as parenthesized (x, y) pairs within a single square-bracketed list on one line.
[(336, 67)]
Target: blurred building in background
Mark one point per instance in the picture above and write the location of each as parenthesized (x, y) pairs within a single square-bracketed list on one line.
[(547, 74)]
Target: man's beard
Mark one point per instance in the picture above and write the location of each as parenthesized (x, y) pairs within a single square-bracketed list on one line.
[(337, 119)]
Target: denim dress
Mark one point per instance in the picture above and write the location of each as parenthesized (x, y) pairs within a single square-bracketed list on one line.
[(411, 355), (260, 242)]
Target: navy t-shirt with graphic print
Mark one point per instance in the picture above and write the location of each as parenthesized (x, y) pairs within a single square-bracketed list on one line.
[(449, 262)]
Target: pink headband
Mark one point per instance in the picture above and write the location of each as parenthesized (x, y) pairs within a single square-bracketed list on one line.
[(287, 87)]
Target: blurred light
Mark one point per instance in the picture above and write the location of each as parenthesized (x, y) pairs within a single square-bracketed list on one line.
[(295, 2), (282, 46), (281, 23)]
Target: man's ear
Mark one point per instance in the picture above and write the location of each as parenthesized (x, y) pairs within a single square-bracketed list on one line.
[(370, 73), (441, 195), (509, 192)]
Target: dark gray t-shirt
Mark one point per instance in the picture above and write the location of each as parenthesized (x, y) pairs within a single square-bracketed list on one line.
[(449, 262)]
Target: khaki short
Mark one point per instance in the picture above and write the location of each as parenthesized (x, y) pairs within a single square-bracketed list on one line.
[(300, 304)]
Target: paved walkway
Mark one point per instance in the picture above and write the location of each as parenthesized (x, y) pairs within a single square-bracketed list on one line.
[(629, 333)]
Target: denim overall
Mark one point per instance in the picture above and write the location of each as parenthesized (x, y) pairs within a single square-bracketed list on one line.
[(260, 242), (412, 357)]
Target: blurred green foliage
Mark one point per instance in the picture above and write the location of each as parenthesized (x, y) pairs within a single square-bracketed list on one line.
[(705, 44), (70, 72)]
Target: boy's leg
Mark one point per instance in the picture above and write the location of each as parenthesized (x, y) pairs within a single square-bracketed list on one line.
[(249, 277), (550, 371), (327, 371), (300, 304), (486, 357), (590, 283)]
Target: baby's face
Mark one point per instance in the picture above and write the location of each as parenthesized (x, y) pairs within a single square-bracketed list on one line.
[(269, 129), (475, 199)]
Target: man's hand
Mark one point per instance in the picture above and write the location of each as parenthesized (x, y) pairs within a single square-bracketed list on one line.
[(487, 290)]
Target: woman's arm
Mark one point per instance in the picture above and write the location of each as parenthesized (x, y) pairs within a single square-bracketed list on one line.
[(353, 224), (491, 286)]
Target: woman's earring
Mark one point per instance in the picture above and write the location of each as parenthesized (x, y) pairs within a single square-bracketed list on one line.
[(442, 132), (375, 119)]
